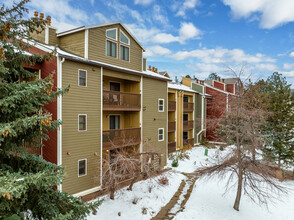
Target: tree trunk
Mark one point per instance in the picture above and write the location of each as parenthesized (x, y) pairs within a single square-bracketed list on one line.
[(279, 160), (130, 188), (253, 153), (239, 190)]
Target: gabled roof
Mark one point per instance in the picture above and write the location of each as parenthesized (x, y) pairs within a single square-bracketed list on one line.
[(70, 56), (164, 73), (97, 26)]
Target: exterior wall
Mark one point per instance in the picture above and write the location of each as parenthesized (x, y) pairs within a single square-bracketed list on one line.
[(152, 119), (230, 88), (40, 37), (50, 145), (186, 81), (81, 144), (53, 40), (119, 75), (97, 48), (127, 119), (74, 43), (179, 120), (125, 85), (216, 107), (219, 85)]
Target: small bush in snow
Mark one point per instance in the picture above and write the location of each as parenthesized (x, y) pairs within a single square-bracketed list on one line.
[(163, 181), (175, 163)]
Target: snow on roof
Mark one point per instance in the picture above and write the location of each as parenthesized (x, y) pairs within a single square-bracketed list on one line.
[(96, 26), (62, 53), (180, 87)]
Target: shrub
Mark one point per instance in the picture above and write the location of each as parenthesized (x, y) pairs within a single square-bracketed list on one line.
[(175, 163), (163, 181)]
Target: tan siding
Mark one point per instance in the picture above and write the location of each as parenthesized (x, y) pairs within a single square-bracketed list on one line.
[(39, 37), (152, 119), (97, 49), (53, 40), (86, 144), (74, 43), (120, 75)]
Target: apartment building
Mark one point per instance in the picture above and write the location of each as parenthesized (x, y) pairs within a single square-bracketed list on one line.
[(181, 124), (114, 102)]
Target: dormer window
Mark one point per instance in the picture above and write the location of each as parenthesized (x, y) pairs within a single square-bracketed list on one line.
[(112, 33), (124, 39)]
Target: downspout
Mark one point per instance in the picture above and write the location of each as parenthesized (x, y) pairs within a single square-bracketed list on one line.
[(59, 114)]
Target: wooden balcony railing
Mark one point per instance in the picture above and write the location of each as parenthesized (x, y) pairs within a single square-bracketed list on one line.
[(188, 142), (171, 126), (171, 106), (121, 101), (188, 125), (188, 107), (118, 138), (172, 147)]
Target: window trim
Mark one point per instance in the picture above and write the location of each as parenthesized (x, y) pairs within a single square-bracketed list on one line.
[(116, 38), (79, 122), (159, 105), (120, 52), (162, 134), (120, 31), (79, 77), (116, 51), (85, 167)]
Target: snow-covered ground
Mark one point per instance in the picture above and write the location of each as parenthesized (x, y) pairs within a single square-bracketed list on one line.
[(206, 201), (152, 202)]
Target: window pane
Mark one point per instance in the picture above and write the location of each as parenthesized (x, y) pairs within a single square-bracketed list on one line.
[(127, 53), (82, 122), (111, 33), (123, 38), (113, 48), (82, 78), (121, 52), (82, 74), (82, 167), (108, 48)]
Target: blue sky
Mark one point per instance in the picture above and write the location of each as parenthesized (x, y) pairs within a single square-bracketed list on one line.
[(194, 37)]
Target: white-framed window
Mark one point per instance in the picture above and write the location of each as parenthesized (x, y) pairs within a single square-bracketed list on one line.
[(83, 78), (82, 167), (112, 33), (124, 53), (123, 38), (160, 134), (82, 118), (161, 105), (111, 48)]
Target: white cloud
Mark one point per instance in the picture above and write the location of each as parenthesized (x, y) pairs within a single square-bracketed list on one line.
[(164, 38), (291, 54), (266, 67), (143, 2), (289, 74), (187, 4), (159, 15), (222, 55), (156, 51), (62, 13), (101, 17), (188, 31), (122, 11), (288, 66), (272, 13)]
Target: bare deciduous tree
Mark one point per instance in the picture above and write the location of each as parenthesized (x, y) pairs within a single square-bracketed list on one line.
[(241, 126)]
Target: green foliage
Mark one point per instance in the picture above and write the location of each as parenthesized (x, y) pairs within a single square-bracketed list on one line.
[(212, 76), (28, 183), (175, 163), (279, 125)]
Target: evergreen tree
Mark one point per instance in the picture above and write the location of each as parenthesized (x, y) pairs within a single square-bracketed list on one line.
[(27, 182), (212, 76), (280, 123)]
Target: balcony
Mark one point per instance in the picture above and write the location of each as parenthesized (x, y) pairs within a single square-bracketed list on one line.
[(171, 126), (188, 142), (172, 147), (118, 138), (121, 101), (188, 107), (188, 125), (171, 106)]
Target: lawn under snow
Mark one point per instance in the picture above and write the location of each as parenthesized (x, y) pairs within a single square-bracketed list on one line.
[(123, 203), (206, 202)]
